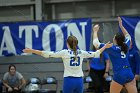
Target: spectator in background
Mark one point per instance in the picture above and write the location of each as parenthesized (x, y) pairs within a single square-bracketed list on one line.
[(134, 60), (98, 71), (13, 80), (0, 86)]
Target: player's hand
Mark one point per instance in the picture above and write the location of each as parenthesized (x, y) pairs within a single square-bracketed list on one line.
[(88, 69), (15, 88), (96, 28), (108, 45), (27, 50), (10, 89), (137, 77), (105, 75), (120, 21)]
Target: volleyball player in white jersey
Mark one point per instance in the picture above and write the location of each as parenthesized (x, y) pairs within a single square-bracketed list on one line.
[(72, 59)]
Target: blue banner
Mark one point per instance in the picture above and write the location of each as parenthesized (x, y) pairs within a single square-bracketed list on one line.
[(43, 35), (132, 25)]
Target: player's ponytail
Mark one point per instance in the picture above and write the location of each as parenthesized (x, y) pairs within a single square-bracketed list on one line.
[(73, 42), (120, 39), (75, 48), (124, 48)]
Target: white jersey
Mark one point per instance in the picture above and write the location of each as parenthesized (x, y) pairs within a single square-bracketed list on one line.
[(72, 67)]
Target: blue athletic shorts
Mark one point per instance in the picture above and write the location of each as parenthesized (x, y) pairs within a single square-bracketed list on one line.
[(73, 85), (123, 76)]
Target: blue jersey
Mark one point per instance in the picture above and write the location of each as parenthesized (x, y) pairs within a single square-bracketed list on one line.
[(121, 67), (99, 64), (134, 60), (118, 58)]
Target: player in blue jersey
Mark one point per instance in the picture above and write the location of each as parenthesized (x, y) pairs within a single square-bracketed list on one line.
[(134, 60), (118, 53), (72, 59), (99, 70)]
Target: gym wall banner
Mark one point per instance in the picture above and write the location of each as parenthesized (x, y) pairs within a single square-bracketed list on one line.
[(51, 35), (132, 25)]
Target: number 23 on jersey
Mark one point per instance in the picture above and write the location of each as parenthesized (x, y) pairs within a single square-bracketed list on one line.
[(74, 62)]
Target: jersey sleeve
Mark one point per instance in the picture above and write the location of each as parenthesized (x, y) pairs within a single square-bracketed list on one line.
[(89, 54), (19, 75), (96, 43), (99, 45), (58, 54), (127, 40), (5, 76)]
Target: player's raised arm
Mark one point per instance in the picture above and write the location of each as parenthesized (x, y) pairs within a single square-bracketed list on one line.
[(122, 27), (28, 50), (97, 53), (107, 45), (58, 54), (125, 33), (95, 30), (46, 54), (96, 42)]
